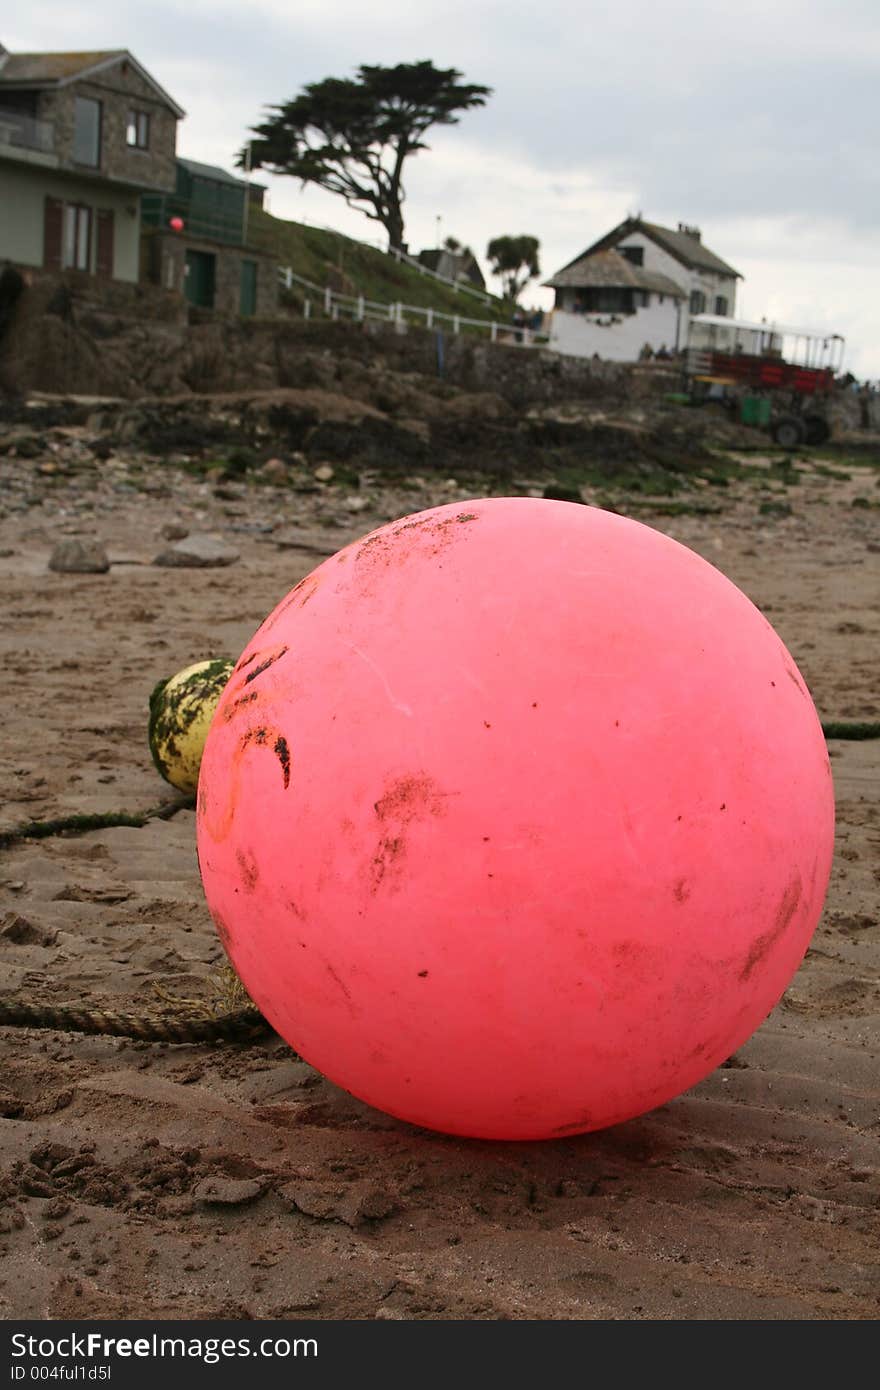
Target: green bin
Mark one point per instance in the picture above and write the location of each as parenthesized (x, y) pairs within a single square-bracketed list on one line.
[(754, 410)]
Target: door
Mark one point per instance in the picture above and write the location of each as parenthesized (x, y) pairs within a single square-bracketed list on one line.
[(248, 298), (199, 278), (53, 220), (104, 244)]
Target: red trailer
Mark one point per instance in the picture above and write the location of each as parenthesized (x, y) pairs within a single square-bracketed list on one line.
[(780, 378)]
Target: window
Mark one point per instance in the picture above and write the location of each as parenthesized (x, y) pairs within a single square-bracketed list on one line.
[(137, 130), (721, 306), (610, 300), (698, 302), (635, 254), (87, 132), (76, 243)]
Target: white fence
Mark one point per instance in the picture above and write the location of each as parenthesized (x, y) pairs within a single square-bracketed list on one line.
[(358, 309)]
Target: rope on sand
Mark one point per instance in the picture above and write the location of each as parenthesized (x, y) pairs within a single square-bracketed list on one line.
[(82, 824), (843, 729), (239, 1025)]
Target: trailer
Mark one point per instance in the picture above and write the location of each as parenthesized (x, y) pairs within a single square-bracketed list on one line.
[(776, 377)]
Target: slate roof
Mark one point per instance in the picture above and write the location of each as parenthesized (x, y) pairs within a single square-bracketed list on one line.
[(53, 67), (57, 69), (686, 249), (458, 264), (611, 270), (211, 171)]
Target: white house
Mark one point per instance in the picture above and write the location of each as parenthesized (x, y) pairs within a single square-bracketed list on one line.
[(638, 285)]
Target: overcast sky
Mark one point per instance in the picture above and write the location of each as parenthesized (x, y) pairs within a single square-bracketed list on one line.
[(755, 121)]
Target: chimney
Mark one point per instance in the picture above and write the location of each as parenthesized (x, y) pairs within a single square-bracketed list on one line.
[(693, 232)]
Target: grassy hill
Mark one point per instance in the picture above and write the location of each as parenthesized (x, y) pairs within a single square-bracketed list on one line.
[(350, 267)]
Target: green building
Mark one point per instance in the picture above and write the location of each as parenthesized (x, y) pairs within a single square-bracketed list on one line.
[(210, 202), (198, 240)]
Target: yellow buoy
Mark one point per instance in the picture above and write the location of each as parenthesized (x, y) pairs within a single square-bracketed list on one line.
[(181, 710)]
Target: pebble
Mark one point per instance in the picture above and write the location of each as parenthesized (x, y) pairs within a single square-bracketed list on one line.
[(220, 1191), (366, 1201), (324, 473), (198, 551), (291, 538), (274, 471), (79, 557), (362, 1201), (23, 932), (312, 1199)]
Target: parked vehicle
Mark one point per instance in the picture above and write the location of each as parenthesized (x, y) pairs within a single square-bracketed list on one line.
[(776, 377)]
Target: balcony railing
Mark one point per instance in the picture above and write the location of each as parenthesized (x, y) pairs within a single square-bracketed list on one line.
[(26, 132), (159, 210)]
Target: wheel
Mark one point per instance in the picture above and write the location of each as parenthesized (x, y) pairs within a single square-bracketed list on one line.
[(817, 428), (789, 431)]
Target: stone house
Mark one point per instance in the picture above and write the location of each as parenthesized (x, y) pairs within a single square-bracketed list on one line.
[(638, 285), (82, 135)]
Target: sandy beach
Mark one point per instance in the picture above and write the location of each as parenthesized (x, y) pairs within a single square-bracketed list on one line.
[(230, 1181)]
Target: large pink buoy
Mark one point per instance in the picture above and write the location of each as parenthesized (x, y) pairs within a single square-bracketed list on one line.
[(515, 818)]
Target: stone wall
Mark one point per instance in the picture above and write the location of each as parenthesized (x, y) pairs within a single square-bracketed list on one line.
[(119, 90), (73, 334), (521, 376), (163, 263)]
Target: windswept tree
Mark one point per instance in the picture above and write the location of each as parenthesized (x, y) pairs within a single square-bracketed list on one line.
[(514, 259), (453, 244), (353, 136)]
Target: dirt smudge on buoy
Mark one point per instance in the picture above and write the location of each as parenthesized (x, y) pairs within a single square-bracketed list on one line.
[(764, 943), (218, 822), (338, 980), (405, 800), (265, 664), (300, 595), (248, 869), (282, 753), (387, 852), (223, 932), (231, 710), (422, 537)]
